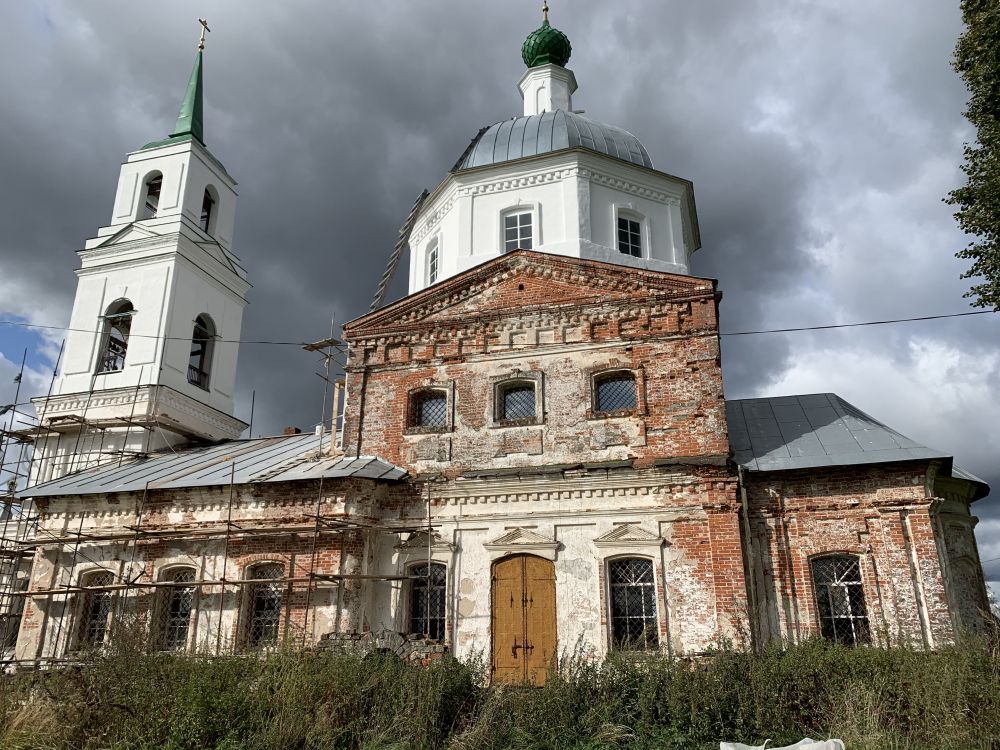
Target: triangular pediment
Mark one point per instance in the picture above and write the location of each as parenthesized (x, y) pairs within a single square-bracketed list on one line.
[(524, 538), (131, 233), (523, 282), (629, 535), (421, 541)]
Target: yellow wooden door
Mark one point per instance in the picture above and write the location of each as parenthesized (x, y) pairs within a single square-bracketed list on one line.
[(524, 619)]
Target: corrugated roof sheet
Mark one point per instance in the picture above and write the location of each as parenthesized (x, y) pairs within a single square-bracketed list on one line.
[(547, 132), (273, 459)]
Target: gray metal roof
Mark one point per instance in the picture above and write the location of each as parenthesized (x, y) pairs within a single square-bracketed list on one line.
[(821, 429), (273, 459), (547, 132)]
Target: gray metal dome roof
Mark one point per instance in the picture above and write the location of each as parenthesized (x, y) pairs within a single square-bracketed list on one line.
[(547, 132)]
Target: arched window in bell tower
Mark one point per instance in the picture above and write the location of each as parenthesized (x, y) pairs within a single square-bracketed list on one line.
[(114, 342), (202, 343), (208, 206), (151, 200)]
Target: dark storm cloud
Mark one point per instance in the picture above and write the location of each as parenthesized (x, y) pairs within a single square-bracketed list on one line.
[(820, 137)]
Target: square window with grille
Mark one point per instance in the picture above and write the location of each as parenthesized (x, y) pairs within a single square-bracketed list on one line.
[(517, 232), (629, 237), (429, 409), (614, 392), (95, 610), (427, 600), (840, 597), (517, 401), (263, 605), (634, 626), (177, 603)]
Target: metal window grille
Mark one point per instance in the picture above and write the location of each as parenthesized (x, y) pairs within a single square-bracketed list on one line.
[(629, 237), (518, 402), (517, 232), (427, 601), (616, 392), (633, 604), (432, 264), (178, 603), (95, 610), (430, 409), (840, 597), (152, 197), (264, 607)]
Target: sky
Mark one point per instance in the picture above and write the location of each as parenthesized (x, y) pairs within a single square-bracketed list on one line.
[(821, 137)]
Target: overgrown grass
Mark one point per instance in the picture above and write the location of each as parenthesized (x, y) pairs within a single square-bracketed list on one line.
[(871, 698)]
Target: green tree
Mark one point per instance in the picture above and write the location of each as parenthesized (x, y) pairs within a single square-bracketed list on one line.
[(977, 60)]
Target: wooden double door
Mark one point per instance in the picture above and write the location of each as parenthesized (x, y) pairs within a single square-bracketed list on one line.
[(524, 619)]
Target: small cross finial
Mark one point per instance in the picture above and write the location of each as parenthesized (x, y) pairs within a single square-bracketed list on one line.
[(545, 10), (204, 28)]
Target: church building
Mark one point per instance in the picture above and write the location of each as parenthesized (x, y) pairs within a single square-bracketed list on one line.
[(536, 456)]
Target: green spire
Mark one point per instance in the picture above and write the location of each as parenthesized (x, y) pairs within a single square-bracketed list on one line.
[(189, 121), (546, 45)]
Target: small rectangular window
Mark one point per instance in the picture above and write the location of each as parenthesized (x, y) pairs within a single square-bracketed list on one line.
[(634, 625), (427, 600), (629, 237), (429, 409), (432, 264), (517, 232), (517, 402), (615, 392)]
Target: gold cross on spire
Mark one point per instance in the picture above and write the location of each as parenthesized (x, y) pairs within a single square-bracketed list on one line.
[(204, 28), (545, 10)]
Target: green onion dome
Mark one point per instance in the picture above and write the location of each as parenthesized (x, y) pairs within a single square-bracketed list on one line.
[(546, 46)]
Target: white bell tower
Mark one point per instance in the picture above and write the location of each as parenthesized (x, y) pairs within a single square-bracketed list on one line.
[(150, 359)]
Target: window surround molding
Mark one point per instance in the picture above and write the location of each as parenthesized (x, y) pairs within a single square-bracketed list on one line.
[(499, 383), (628, 210), (629, 540), (443, 386), (594, 374), (404, 609), (520, 207), (413, 552)]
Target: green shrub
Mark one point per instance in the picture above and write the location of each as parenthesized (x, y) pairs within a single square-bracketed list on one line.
[(872, 698)]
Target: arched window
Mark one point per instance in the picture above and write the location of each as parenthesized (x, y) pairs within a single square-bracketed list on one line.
[(840, 598), (117, 326), (151, 203), (176, 606), (202, 343), (263, 605), (207, 212), (614, 392), (632, 593), (429, 409), (517, 231), (95, 609), (516, 401), (433, 262), (427, 600)]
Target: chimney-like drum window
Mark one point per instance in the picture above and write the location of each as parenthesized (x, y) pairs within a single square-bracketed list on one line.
[(517, 231)]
